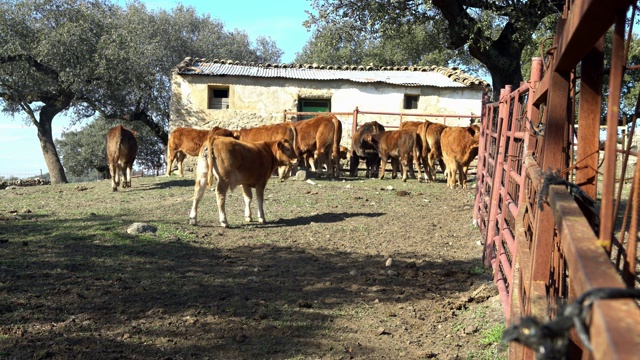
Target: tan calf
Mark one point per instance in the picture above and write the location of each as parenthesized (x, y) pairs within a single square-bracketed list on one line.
[(234, 163), (399, 144), (272, 132)]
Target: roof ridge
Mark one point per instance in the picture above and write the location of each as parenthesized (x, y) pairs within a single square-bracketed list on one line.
[(454, 73)]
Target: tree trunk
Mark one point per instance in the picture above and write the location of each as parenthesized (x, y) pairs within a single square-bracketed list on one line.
[(504, 67), (45, 135), (500, 55)]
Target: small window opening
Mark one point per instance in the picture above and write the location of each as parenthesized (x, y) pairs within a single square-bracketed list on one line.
[(411, 101), (218, 98)]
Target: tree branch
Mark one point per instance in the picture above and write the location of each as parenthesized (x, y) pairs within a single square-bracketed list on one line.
[(459, 23), (38, 66)]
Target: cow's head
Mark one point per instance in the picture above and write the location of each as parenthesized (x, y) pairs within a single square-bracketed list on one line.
[(286, 154), (368, 138), (236, 134), (474, 130)]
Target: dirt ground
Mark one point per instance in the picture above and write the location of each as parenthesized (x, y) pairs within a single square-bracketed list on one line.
[(350, 269)]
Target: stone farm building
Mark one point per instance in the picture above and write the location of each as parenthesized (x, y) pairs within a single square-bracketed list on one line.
[(238, 95)]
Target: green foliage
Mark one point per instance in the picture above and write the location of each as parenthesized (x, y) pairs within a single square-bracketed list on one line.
[(444, 32), (343, 44), (88, 56)]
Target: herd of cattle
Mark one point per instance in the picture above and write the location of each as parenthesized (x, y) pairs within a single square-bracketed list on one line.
[(249, 157)]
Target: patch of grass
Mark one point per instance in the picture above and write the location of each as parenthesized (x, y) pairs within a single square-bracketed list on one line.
[(477, 270), (492, 335)]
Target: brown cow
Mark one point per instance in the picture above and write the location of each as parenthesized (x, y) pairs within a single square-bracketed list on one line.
[(398, 144), (414, 126), (235, 163), (430, 134), (321, 136), (272, 132), (459, 149), (188, 141), (122, 148), (363, 150)]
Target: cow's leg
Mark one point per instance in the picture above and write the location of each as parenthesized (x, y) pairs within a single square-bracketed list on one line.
[(200, 188), (443, 166), (383, 166), (319, 160), (410, 164), (424, 158), (260, 200), (462, 173), (373, 166), (405, 160), (113, 170), (448, 174), (395, 165), (354, 163), (432, 165), (221, 197), (127, 181), (246, 194), (170, 155), (329, 170), (180, 156), (117, 177), (310, 162), (335, 168)]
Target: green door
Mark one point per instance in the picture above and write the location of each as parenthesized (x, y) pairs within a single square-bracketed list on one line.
[(313, 105)]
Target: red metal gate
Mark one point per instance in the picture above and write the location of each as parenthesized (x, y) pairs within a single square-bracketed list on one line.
[(548, 215)]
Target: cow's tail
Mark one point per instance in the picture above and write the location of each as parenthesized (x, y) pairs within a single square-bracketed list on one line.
[(116, 155), (210, 160), (294, 139), (337, 136)]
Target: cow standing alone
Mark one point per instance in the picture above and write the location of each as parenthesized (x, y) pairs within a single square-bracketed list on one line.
[(235, 163), (122, 148)]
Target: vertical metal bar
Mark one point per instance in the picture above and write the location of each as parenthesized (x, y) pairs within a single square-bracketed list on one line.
[(629, 268), (589, 120), (495, 193), (554, 156), (613, 112), (354, 123), (482, 158)]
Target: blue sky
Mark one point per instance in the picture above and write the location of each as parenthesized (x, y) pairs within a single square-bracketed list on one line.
[(20, 152)]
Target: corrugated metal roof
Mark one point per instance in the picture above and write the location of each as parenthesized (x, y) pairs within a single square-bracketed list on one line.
[(404, 76)]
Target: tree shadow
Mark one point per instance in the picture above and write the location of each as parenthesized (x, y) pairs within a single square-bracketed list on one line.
[(84, 290)]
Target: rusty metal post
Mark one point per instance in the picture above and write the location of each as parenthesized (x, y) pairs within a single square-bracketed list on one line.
[(480, 168), (354, 123), (589, 120), (615, 84), (554, 157), (493, 202)]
